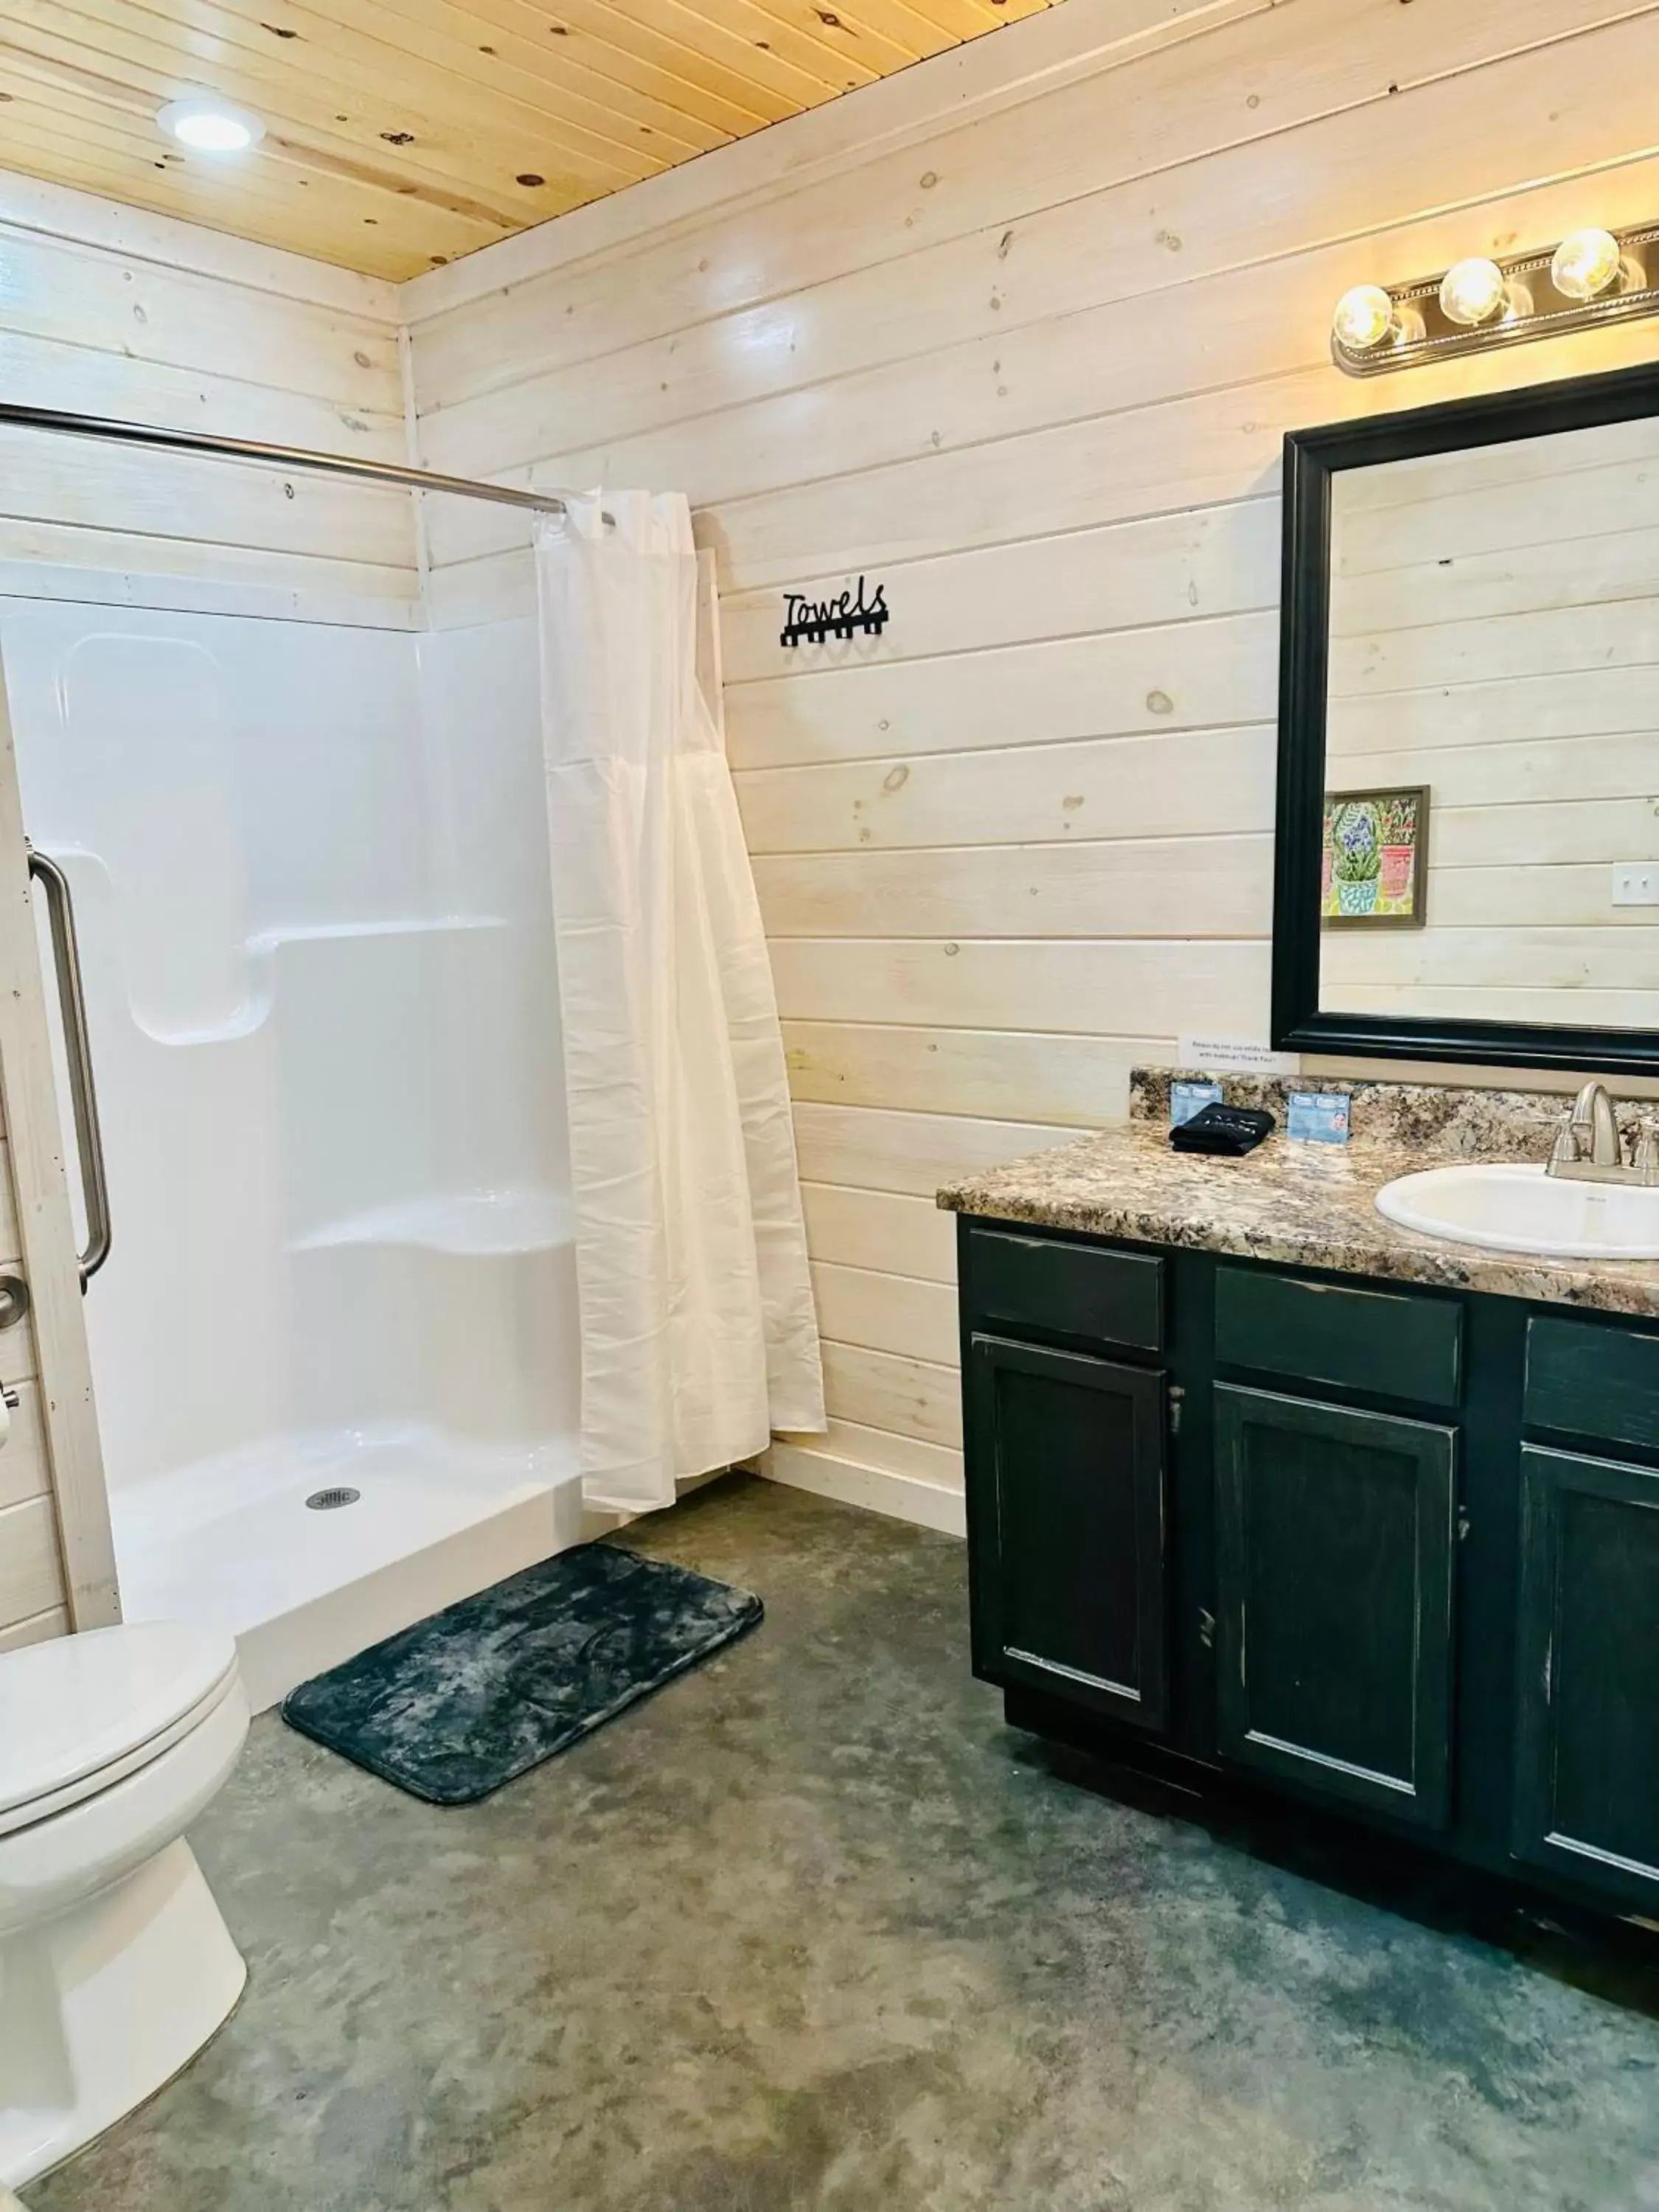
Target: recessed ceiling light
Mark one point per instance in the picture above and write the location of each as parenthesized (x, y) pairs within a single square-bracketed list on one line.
[(208, 125)]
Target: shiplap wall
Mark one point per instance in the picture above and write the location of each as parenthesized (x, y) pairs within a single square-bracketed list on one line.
[(1025, 353), (1495, 637), (109, 310)]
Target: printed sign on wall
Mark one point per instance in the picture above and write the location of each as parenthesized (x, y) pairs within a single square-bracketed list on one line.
[(810, 621)]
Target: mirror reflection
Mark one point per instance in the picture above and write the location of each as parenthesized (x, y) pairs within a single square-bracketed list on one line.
[(1490, 832)]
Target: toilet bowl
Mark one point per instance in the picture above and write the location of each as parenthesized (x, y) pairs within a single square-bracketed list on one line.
[(115, 1964)]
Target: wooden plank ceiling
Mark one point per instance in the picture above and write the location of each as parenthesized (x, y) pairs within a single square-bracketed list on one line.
[(403, 133)]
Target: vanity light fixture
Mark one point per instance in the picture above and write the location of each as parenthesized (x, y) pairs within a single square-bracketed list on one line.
[(208, 124), (1592, 277)]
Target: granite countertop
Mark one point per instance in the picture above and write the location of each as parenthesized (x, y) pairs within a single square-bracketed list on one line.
[(1306, 1204)]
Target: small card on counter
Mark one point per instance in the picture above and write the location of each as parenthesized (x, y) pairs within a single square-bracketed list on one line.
[(1318, 1117), (1187, 1099)]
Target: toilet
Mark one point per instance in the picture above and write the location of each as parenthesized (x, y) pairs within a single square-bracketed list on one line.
[(115, 1964)]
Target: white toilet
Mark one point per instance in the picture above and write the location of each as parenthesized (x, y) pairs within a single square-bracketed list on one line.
[(115, 1964)]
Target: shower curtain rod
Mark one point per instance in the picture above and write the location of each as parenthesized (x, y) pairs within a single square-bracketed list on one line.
[(284, 457)]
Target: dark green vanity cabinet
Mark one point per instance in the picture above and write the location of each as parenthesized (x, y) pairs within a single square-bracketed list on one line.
[(1389, 1549)]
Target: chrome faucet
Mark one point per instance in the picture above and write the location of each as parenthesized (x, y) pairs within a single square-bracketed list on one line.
[(1587, 1148)]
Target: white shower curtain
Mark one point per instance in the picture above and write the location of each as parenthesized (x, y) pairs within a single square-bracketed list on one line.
[(699, 1334)]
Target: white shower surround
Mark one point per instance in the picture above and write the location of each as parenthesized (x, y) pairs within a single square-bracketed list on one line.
[(311, 875)]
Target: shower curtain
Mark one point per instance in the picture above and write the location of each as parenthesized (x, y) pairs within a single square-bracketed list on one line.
[(699, 1333)]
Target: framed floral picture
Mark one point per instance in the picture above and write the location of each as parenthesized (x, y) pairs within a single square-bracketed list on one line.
[(1374, 867)]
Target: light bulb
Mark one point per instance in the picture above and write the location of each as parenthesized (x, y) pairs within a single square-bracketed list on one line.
[(1585, 264), (1364, 317), (214, 134), (208, 125), (1473, 291)]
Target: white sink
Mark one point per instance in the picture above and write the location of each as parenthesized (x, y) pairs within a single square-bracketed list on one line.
[(1518, 1208)]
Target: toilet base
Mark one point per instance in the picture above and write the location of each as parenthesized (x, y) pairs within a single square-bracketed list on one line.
[(103, 2003)]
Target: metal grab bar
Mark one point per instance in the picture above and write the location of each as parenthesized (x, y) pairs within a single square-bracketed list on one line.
[(84, 1090)]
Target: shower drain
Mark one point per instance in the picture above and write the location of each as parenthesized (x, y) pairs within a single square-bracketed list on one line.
[(324, 1501)]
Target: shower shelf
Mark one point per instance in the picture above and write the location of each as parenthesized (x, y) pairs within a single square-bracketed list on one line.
[(262, 953), (467, 1224)]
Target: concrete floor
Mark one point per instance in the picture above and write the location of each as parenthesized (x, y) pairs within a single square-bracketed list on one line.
[(813, 1929)]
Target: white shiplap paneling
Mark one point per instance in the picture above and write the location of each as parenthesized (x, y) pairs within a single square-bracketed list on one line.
[(1031, 363), (107, 311)]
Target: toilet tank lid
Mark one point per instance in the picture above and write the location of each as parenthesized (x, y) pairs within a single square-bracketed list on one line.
[(75, 1704)]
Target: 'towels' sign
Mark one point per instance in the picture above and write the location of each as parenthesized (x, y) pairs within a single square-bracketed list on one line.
[(810, 621)]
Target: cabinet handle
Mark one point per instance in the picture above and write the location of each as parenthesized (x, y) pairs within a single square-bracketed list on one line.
[(1206, 1629), (1177, 1394)]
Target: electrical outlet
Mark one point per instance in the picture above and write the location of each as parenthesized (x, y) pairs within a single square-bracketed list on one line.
[(1636, 883)]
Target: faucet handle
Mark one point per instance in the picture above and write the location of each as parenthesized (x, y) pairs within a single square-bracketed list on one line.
[(1645, 1159), (1568, 1148)]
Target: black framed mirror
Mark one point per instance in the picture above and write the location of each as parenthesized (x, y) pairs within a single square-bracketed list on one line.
[(1467, 859)]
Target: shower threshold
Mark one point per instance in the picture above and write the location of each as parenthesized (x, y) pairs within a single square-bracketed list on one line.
[(229, 1540)]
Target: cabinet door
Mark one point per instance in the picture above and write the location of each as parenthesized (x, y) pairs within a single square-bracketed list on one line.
[(1587, 1781), (1066, 1460), (1333, 1585)]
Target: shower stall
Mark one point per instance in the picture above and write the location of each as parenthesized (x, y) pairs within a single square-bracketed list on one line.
[(335, 1344)]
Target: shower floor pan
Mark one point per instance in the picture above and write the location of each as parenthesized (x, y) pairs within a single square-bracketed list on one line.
[(232, 1540)]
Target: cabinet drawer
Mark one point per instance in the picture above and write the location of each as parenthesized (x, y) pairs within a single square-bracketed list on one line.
[(1593, 1381), (1385, 1341), (1068, 1290)]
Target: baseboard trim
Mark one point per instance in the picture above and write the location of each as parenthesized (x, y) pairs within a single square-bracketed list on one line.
[(876, 1489)]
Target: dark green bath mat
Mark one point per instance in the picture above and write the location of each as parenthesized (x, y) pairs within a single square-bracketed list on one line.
[(455, 1706)]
